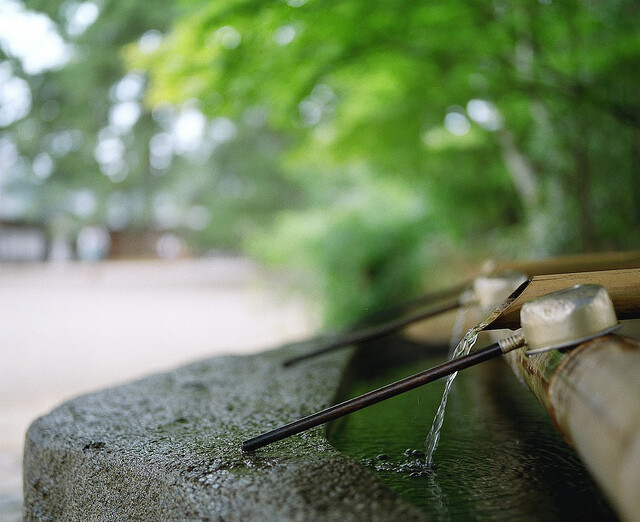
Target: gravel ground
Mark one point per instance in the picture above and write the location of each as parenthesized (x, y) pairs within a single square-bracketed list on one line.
[(66, 330)]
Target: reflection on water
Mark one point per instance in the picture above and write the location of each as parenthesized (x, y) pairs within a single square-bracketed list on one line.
[(499, 457)]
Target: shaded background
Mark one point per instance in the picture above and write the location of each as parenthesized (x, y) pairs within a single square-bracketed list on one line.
[(375, 151)]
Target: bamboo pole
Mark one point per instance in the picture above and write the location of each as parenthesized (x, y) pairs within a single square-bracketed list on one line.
[(623, 287), (538, 270), (592, 394), (570, 263)]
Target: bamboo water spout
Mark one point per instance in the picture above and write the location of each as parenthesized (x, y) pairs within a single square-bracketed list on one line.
[(447, 300), (503, 346), (623, 287)]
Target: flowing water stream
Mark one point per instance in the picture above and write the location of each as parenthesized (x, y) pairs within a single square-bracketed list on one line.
[(463, 348)]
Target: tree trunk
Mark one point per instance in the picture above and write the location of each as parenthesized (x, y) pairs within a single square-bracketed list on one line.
[(520, 169), (635, 175), (582, 175)]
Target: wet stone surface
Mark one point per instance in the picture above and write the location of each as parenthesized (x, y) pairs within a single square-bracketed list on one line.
[(167, 447)]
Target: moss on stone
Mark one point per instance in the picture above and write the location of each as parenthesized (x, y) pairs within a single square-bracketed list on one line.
[(167, 447)]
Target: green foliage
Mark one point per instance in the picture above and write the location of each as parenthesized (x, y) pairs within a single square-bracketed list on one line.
[(70, 108), (365, 88), (366, 133), (368, 249), (213, 193)]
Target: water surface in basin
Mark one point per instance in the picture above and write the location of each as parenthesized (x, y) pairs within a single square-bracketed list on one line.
[(499, 457)]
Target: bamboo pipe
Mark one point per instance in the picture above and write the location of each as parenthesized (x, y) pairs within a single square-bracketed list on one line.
[(574, 263), (540, 283), (569, 263), (592, 394), (623, 287)]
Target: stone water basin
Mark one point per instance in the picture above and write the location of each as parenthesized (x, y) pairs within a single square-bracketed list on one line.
[(168, 447)]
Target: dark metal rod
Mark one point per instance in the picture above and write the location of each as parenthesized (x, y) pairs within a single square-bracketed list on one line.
[(375, 332), (423, 300), (372, 397)]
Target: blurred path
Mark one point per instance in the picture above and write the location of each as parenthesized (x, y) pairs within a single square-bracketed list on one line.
[(67, 330)]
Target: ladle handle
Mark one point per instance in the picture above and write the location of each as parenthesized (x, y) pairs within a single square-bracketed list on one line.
[(376, 332), (372, 397)]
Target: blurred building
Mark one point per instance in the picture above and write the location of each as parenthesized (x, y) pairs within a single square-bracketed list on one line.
[(23, 242)]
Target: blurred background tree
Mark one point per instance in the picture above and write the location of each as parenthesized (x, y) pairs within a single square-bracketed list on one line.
[(370, 144), (86, 151)]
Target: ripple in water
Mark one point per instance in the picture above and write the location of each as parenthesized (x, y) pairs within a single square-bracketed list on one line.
[(413, 464)]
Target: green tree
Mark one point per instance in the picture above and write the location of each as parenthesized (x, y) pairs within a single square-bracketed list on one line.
[(512, 127), (89, 152), (367, 142)]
